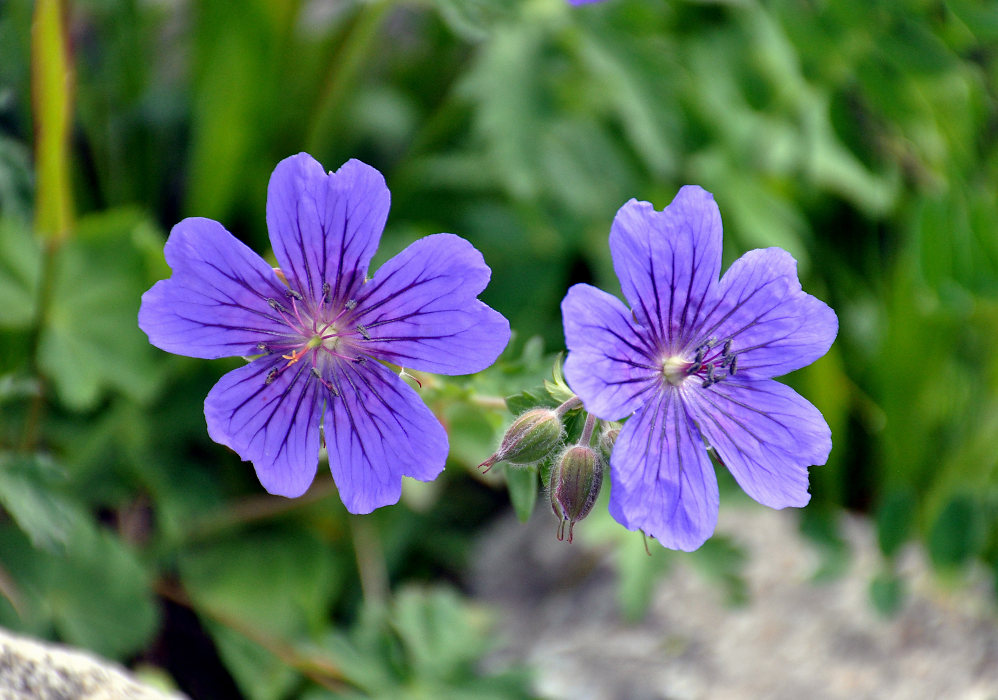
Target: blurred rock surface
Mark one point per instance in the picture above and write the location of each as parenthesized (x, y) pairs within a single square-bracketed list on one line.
[(34, 670), (795, 638)]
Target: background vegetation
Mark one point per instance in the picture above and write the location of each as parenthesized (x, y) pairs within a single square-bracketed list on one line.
[(861, 136)]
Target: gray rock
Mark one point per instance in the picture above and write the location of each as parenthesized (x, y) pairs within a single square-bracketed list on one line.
[(34, 670), (795, 638)]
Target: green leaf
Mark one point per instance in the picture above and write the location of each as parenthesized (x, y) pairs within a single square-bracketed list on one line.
[(522, 485), (722, 560), (30, 490), (895, 518), (822, 527), (640, 563), (95, 595), (101, 596), (474, 19), (887, 593), (426, 644), (20, 268), (270, 585), (529, 398), (91, 342), (957, 534), (439, 631)]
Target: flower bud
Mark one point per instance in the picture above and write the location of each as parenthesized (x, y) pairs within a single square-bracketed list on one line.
[(530, 439), (576, 479), (607, 438)]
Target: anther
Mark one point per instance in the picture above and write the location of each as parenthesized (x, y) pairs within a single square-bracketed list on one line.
[(698, 360), (363, 331), (276, 305), (325, 292), (710, 376), (727, 347), (324, 382), (292, 293), (731, 367), (351, 304), (271, 376), (694, 368), (263, 347)]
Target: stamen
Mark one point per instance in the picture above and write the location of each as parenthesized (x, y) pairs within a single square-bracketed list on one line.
[(326, 289), (403, 373), (271, 376), (263, 347), (363, 331), (325, 382), (292, 293), (727, 347), (710, 377), (276, 305), (351, 304), (731, 367)]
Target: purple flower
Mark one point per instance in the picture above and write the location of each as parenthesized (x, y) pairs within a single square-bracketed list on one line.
[(693, 360), (320, 337)]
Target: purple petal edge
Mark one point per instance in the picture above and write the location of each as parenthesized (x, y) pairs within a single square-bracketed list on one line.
[(608, 365), (668, 262), (274, 425), (377, 431), (325, 227), (662, 481), (215, 303), (421, 312), (766, 434)]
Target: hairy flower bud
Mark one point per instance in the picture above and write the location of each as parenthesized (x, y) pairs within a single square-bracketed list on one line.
[(607, 438), (530, 439), (576, 479)]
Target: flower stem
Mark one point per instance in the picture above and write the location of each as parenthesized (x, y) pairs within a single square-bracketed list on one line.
[(571, 404), (370, 560), (587, 429)]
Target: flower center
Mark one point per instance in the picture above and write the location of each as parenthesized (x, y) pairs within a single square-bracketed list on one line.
[(710, 364), (318, 332), (675, 369)]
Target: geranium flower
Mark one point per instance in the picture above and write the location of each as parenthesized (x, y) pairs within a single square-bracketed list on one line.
[(320, 331), (693, 361)]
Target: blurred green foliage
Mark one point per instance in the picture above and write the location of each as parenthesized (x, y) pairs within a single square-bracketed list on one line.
[(858, 135)]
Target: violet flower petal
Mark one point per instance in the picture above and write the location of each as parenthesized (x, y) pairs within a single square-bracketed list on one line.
[(215, 303), (668, 262), (275, 426), (421, 312), (377, 431), (662, 481), (325, 228), (774, 325), (766, 434), (608, 364)]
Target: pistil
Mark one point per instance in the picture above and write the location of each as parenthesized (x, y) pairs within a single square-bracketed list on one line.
[(708, 364)]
